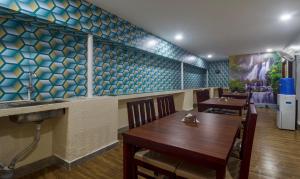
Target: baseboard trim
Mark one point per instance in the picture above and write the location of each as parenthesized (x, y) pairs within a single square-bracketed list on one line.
[(188, 109), (69, 164), (123, 129), (35, 166), (57, 160)]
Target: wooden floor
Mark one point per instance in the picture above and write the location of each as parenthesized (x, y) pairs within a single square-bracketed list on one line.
[(276, 154)]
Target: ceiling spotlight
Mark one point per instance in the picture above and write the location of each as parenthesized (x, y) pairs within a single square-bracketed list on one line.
[(285, 17), (191, 58), (151, 43), (269, 50), (178, 37), (209, 56)]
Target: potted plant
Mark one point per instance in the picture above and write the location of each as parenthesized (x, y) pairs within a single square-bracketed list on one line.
[(236, 86), (273, 77)]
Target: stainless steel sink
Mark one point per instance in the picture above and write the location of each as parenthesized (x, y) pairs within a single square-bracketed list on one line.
[(37, 116), (27, 103)]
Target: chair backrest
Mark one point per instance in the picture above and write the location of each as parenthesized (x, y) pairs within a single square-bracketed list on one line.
[(220, 91), (247, 142), (140, 112), (165, 105), (202, 95), (249, 97)]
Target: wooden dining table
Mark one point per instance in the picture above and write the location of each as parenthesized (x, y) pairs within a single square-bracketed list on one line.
[(207, 143), (235, 95), (223, 103)]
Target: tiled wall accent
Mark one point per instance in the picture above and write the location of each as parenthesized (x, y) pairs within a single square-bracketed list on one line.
[(57, 59), (193, 77), (59, 62), (218, 73), (15, 45), (86, 17), (127, 71)]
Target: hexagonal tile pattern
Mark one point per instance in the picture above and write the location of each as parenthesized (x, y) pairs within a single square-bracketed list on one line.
[(120, 71), (57, 59), (221, 79), (47, 44), (88, 18), (193, 77)]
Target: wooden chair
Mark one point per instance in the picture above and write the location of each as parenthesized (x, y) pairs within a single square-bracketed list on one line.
[(237, 147), (148, 163), (140, 112), (220, 91), (249, 98), (202, 95), (165, 106), (236, 168)]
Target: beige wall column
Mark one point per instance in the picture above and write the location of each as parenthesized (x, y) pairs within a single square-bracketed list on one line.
[(89, 126)]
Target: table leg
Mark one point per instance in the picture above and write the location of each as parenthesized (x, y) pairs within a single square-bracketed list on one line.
[(221, 172), (240, 111), (129, 171)]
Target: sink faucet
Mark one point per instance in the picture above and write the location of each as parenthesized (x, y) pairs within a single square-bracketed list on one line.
[(30, 85)]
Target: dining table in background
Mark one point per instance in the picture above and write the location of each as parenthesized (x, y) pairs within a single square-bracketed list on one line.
[(207, 143), (235, 95), (223, 103)]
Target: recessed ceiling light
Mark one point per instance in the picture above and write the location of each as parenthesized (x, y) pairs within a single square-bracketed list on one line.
[(209, 56), (178, 37), (285, 17), (269, 50), (151, 43), (191, 58)]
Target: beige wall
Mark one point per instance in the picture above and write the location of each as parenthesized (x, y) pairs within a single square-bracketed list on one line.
[(14, 137), (88, 125)]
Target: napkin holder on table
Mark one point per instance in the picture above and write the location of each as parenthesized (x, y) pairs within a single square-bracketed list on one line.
[(189, 118)]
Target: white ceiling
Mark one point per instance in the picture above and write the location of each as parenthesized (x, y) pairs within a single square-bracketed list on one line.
[(221, 27)]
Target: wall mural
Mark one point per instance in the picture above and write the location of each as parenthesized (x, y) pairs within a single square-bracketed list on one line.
[(218, 73), (259, 73), (118, 71), (193, 77), (85, 17)]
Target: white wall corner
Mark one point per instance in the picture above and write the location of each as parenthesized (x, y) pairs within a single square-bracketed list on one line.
[(90, 48), (182, 84)]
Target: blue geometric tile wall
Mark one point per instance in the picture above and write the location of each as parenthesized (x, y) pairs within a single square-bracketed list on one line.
[(57, 59), (88, 18), (14, 60), (59, 63), (120, 71), (218, 73), (193, 77)]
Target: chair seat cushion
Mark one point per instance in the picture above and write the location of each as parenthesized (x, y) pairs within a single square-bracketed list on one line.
[(139, 155), (190, 171), (236, 148), (158, 160)]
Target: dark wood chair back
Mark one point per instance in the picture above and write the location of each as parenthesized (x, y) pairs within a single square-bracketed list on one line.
[(165, 106), (140, 112), (247, 142), (249, 97), (202, 95), (220, 91)]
